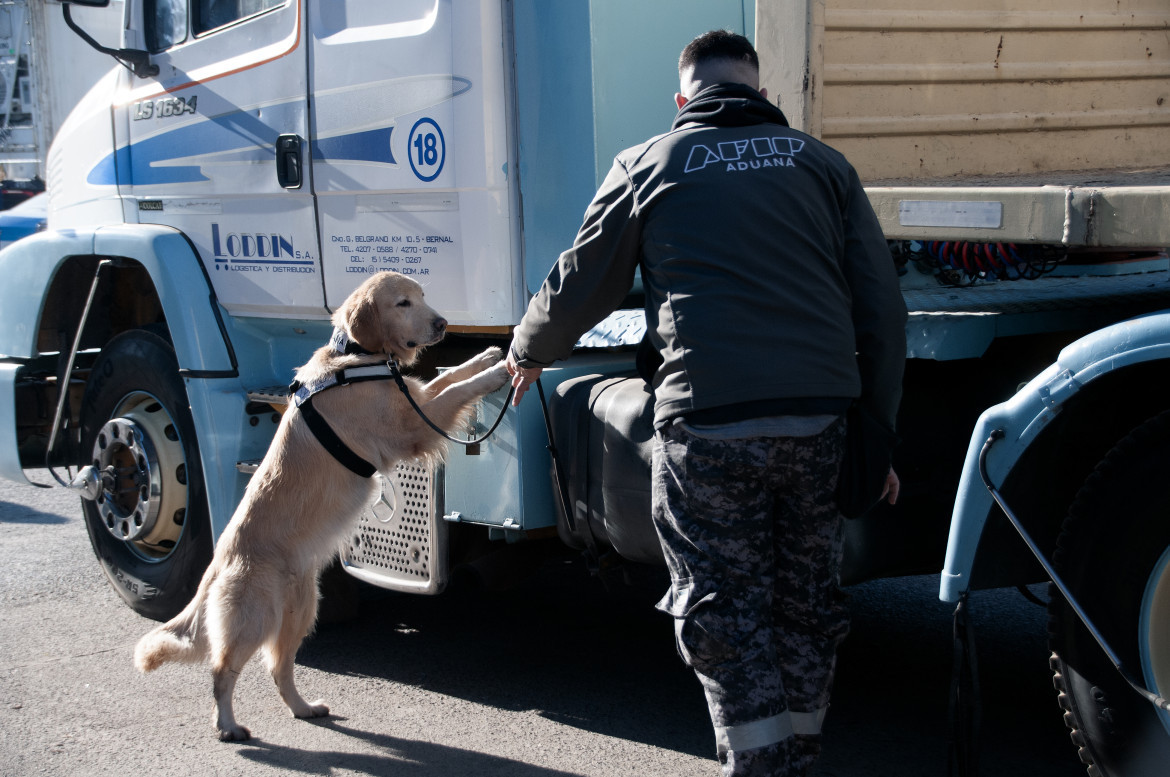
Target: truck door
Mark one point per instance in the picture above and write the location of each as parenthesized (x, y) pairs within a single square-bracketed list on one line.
[(410, 151), (210, 145)]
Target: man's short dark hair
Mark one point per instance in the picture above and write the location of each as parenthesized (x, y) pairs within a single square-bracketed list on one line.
[(718, 44)]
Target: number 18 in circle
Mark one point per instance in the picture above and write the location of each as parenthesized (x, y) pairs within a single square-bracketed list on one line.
[(427, 149)]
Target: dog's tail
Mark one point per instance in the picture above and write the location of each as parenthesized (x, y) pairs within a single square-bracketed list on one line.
[(179, 639)]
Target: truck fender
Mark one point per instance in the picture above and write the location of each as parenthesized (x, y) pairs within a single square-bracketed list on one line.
[(185, 293), (184, 290), (1022, 418)]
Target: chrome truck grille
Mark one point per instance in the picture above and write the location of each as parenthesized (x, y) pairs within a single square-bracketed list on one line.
[(400, 540)]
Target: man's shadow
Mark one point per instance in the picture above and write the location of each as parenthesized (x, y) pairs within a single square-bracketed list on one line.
[(560, 644)]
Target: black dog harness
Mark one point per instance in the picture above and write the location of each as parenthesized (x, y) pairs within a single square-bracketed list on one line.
[(302, 396)]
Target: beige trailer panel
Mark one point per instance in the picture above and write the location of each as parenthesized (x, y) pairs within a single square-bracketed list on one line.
[(912, 89)]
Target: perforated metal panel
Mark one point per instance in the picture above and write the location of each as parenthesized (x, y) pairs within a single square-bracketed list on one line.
[(400, 541)]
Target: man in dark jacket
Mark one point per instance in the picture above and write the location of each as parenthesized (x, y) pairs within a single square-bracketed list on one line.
[(773, 303)]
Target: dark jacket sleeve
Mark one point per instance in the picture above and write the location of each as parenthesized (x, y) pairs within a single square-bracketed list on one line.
[(589, 280), (879, 311)]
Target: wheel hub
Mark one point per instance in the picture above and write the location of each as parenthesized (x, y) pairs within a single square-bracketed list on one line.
[(130, 482), (141, 472)]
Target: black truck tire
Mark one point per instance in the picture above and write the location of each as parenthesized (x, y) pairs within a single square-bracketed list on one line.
[(1113, 553), (150, 526)]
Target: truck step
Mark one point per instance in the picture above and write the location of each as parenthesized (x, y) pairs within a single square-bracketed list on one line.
[(273, 395), (277, 398), (248, 467)]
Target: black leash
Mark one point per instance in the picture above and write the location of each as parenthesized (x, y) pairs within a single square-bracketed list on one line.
[(397, 375), (558, 474), (302, 397), (593, 556)]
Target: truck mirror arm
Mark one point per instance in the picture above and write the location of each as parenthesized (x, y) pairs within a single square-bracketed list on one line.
[(137, 60)]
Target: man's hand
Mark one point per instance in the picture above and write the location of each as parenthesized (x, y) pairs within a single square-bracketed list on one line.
[(893, 486), (522, 377)]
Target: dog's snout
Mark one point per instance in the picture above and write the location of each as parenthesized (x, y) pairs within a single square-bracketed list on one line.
[(440, 325)]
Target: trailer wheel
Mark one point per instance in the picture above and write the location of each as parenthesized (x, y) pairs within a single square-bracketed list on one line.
[(1114, 554), (150, 526)]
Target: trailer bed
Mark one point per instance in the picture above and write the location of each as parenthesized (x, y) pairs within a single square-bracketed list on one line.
[(1112, 208)]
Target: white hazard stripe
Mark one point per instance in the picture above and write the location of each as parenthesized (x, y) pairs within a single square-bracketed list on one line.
[(768, 731)]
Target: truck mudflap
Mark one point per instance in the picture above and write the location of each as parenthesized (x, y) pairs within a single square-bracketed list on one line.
[(400, 542), (603, 430), (1023, 417)]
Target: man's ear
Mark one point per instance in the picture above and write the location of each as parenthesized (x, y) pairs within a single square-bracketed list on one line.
[(764, 92), (679, 100)]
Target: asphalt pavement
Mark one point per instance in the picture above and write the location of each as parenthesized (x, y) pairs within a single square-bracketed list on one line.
[(557, 676)]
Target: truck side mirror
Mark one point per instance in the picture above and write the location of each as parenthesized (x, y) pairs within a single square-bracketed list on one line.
[(137, 60)]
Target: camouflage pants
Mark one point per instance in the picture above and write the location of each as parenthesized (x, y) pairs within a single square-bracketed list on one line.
[(753, 540)]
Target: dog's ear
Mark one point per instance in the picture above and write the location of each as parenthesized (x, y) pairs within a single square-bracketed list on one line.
[(359, 317)]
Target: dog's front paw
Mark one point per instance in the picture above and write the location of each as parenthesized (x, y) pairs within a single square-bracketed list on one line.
[(493, 378), (490, 356)]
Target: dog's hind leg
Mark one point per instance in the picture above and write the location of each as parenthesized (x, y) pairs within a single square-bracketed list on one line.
[(224, 673), (234, 636), (300, 613)]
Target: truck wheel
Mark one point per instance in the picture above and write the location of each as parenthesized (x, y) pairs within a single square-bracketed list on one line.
[(1114, 554), (150, 525)]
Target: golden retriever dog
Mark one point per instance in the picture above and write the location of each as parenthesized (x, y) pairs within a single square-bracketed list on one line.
[(260, 590)]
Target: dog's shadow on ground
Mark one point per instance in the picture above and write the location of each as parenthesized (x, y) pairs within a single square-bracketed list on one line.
[(560, 642), (395, 754)]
